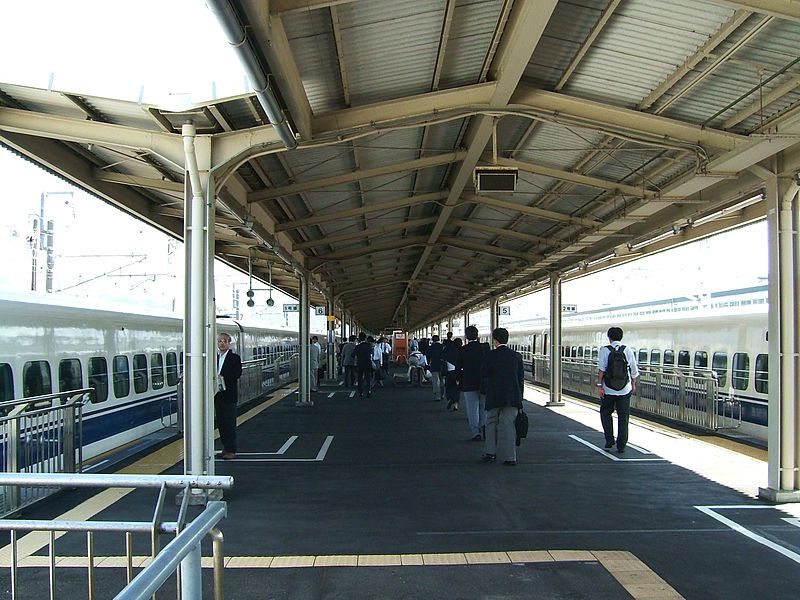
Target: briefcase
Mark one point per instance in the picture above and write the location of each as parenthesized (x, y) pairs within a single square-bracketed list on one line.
[(521, 425)]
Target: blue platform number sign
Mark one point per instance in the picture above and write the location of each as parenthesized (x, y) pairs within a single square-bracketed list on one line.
[(504, 311), (319, 311)]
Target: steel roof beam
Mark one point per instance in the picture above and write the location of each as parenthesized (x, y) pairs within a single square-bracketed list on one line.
[(362, 210), (277, 7), (363, 251), (530, 210), (783, 9), (365, 233), (167, 146), (411, 165), (598, 116), (135, 181), (487, 249)]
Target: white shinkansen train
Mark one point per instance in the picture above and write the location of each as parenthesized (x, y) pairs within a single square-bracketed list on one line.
[(725, 332), (134, 363)]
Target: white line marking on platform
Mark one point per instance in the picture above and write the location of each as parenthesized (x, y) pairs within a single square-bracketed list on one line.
[(791, 521), (331, 394), (341, 383), (353, 394), (282, 450), (323, 451), (611, 456), (637, 448), (709, 510)]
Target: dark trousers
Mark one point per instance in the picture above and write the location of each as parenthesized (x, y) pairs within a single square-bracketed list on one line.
[(364, 379), (622, 404), (451, 387), (349, 375), (225, 413)]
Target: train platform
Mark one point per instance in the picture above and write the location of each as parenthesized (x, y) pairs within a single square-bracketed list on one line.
[(385, 497)]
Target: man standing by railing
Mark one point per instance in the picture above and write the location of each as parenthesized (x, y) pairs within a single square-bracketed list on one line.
[(616, 380), (229, 370)]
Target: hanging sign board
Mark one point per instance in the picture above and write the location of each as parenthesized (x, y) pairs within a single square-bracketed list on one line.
[(287, 308), (319, 311), (505, 311)]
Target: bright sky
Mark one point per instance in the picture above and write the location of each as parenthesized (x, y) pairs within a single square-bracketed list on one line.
[(166, 52)]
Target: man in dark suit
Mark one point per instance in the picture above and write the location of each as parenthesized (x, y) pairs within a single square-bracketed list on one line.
[(505, 376), (468, 372), (229, 370), (363, 360)]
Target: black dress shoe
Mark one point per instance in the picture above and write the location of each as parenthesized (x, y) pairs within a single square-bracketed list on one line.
[(620, 450), (509, 463), (476, 438), (489, 458), (609, 445)]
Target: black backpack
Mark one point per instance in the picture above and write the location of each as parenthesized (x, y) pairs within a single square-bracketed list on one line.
[(616, 374)]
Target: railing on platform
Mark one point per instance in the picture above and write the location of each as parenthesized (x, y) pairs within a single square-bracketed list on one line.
[(183, 551), (41, 434), (686, 395)]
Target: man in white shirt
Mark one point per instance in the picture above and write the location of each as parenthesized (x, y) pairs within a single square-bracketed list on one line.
[(313, 359), (616, 380)]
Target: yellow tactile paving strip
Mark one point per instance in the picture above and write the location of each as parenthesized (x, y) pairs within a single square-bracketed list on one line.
[(152, 464), (632, 574)]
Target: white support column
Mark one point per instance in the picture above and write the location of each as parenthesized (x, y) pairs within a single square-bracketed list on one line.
[(783, 218), (331, 368), (304, 340), (198, 374), (494, 321), (555, 341)]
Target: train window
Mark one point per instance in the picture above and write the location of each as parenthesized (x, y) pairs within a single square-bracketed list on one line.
[(36, 379), (683, 358), (701, 359), (172, 369), (655, 357), (719, 364), (70, 375), (669, 357), (740, 371), (157, 370), (761, 380), (98, 378), (139, 373), (6, 382), (642, 356), (121, 376), (574, 351), (595, 353), (545, 346), (180, 364), (535, 341), (580, 351)]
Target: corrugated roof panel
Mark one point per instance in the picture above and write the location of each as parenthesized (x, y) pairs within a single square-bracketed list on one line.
[(390, 51), (471, 34), (559, 147), (641, 45), (568, 26), (49, 102), (310, 35)]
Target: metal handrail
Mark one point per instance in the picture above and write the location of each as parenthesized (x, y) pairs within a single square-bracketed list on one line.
[(189, 544), (183, 551)]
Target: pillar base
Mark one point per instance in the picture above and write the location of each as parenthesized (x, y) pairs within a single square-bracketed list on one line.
[(199, 497), (779, 496), (555, 403), (301, 403)]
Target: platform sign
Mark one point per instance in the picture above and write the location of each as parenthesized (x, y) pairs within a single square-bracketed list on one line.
[(293, 308), (319, 311), (569, 308), (504, 311)]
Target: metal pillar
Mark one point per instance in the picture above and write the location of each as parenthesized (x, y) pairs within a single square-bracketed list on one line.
[(555, 341), (304, 341), (494, 321), (466, 321), (783, 218), (450, 324), (331, 367), (198, 323)]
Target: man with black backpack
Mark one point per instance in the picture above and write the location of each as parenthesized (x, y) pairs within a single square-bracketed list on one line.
[(616, 380)]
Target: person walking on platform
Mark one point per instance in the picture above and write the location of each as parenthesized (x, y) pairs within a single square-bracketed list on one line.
[(363, 360), (413, 345), (229, 370), (424, 345), (452, 386), (616, 380), (377, 363), (505, 377), (349, 362), (313, 359), (434, 358), (468, 371)]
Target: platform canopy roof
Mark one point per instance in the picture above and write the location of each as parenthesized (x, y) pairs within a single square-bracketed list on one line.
[(627, 120)]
